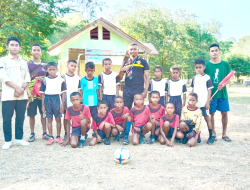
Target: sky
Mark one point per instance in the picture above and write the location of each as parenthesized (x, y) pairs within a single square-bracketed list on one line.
[(234, 15)]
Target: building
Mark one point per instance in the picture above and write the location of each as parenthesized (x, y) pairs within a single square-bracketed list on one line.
[(96, 41)]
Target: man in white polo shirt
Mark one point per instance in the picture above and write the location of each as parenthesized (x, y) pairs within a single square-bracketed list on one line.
[(15, 78)]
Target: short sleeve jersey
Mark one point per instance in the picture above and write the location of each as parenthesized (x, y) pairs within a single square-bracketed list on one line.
[(98, 119), (53, 86), (140, 116), (194, 116), (72, 85), (176, 88), (174, 121), (217, 73), (73, 114), (118, 115), (89, 88), (158, 85), (108, 82), (157, 112), (201, 84), (140, 66)]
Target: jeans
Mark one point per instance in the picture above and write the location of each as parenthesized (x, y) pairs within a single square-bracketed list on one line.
[(8, 108)]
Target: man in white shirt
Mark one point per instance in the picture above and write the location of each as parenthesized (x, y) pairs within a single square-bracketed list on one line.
[(15, 78)]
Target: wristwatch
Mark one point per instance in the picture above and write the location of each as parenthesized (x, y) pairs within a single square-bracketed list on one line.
[(23, 87)]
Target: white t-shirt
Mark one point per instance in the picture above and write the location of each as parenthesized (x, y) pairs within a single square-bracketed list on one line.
[(53, 86), (108, 82), (72, 84), (201, 84), (158, 85), (176, 88)]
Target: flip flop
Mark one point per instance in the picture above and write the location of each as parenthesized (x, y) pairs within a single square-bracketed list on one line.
[(215, 138), (226, 138)]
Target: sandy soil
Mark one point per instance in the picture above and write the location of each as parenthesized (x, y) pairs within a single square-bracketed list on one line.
[(219, 166)]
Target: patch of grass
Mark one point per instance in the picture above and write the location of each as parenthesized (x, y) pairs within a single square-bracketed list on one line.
[(239, 100)]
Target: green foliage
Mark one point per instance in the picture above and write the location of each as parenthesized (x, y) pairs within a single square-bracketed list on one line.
[(179, 38), (239, 63)]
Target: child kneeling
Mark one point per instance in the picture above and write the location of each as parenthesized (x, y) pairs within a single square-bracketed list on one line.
[(102, 124), (190, 122)]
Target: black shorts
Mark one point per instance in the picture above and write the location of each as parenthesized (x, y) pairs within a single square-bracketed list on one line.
[(110, 99), (52, 105), (32, 109), (128, 96), (204, 111), (93, 110)]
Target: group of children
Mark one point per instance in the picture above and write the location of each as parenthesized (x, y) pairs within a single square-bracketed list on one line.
[(94, 103)]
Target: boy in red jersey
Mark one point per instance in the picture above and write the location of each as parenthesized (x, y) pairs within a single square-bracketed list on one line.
[(156, 110), (140, 114), (169, 123), (122, 119), (102, 124), (80, 116)]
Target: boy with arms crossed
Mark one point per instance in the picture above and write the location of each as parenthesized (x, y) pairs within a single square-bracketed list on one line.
[(140, 114), (102, 124), (202, 86), (108, 83), (52, 88), (38, 70), (122, 119), (80, 116), (156, 111)]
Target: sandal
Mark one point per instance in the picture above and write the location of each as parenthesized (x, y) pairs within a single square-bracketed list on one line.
[(226, 138), (214, 137)]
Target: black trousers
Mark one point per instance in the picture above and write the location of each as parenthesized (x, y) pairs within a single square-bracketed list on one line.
[(8, 108), (128, 96)]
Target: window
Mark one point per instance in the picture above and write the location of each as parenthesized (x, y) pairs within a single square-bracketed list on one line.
[(105, 34), (94, 33)]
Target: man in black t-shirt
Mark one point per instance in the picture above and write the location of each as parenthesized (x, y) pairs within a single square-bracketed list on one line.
[(137, 71)]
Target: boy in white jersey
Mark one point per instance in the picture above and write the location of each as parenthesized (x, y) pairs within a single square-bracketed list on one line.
[(158, 84), (72, 82), (175, 88), (108, 83), (202, 86)]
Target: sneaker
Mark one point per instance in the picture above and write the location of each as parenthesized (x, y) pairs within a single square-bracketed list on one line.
[(117, 137), (141, 140), (107, 141), (21, 142), (151, 139), (46, 136), (122, 135), (6, 145), (125, 140), (50, 141), (59, 140), (81, 143), (32, 138), (210, 140)]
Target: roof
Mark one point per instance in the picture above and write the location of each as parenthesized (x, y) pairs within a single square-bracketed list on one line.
[(148, 47)]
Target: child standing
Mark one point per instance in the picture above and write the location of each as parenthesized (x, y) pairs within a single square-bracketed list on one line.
[(122, 119), (140, 114), (190, 122), (90, 88), (37, 70), (156, 111), (108, 83), (52, 87), (158, 84), (176, 87), (169, 123), (72, 82), (202, 86), (102, 124), (80, 116)]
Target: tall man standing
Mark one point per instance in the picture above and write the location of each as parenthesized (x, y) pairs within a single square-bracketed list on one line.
[(218, 69), (15, 78), (137, 71)]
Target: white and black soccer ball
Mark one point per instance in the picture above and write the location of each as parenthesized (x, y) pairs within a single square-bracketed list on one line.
[(121, 155)]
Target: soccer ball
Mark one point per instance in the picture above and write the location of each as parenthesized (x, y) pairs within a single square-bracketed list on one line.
[(121, 155)]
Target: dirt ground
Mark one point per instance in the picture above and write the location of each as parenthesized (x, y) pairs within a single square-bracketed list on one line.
[(219, 166)]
